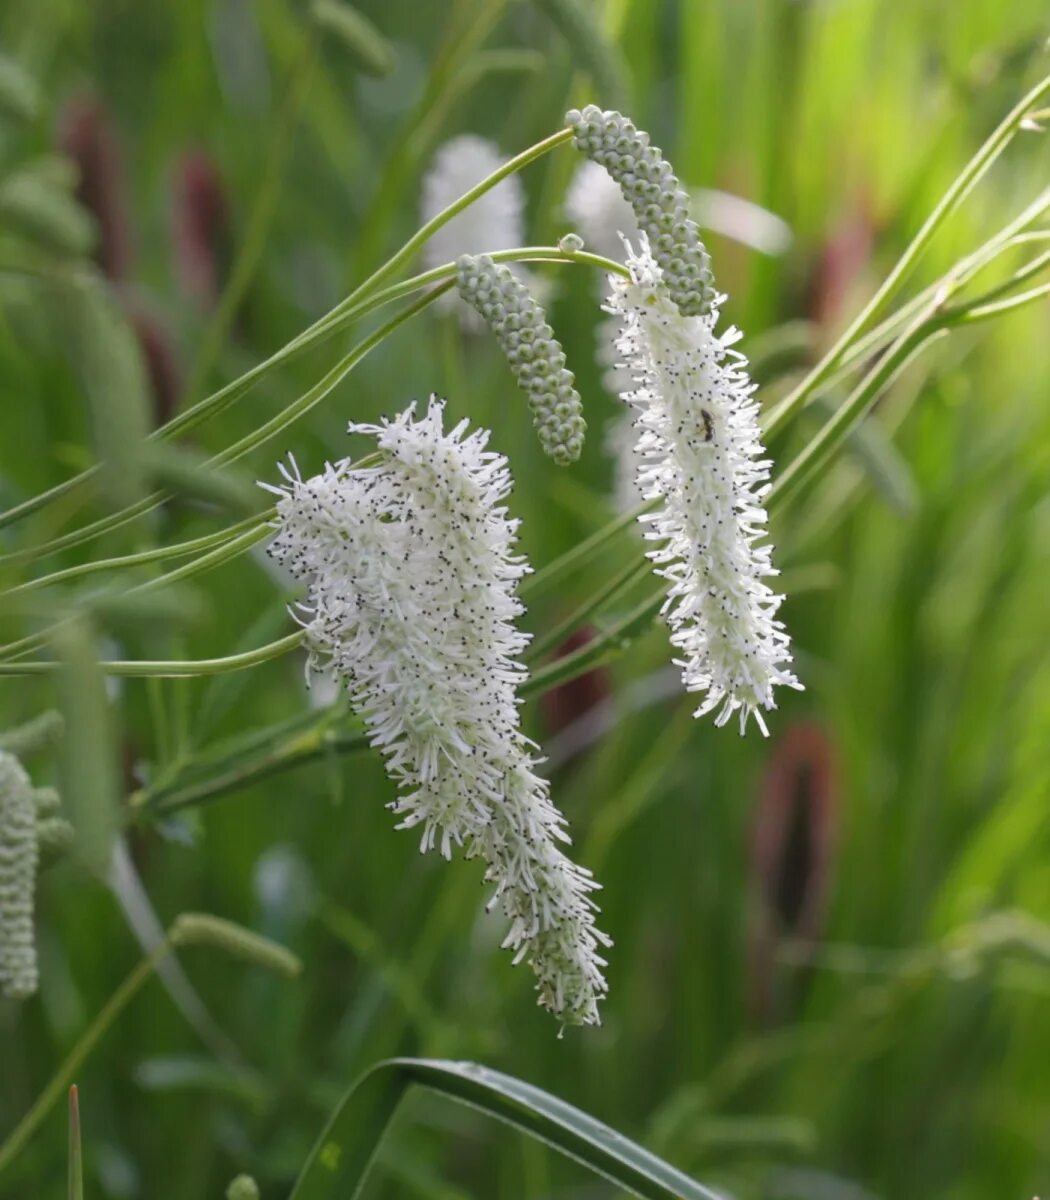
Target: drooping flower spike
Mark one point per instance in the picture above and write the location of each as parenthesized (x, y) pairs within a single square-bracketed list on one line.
[(411, 575), (659, 202), (700, 454), (535, 356)]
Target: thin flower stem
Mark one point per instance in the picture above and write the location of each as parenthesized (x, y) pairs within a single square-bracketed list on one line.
[(172, 669), (179, 550), (305, 747), (337, 319), (60, 1081), (600, 649), (622, 581), (964, 183), (214, 558), (582, 553), (252, 441), (423, 235), (969, 314), (820, 448)]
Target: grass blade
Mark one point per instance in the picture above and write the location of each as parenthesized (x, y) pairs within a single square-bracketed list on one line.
[(339, 1163)]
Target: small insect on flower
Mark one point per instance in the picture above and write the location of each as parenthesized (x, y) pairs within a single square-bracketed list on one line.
[(699, 452), (412, 578)]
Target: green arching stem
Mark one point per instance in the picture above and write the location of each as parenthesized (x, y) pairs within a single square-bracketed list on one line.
[(272, 427), (622, 581), (321, 329), (969, 314), (580, 554), (175, 668), (835, 430), (306, 747), (964, 183), (178, 550), (339, 318), (423, 235)]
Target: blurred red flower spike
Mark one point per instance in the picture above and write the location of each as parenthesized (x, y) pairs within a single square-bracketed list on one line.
[(88, 135)]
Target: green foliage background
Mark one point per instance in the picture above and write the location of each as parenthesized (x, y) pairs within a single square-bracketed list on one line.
[(910, 1058)]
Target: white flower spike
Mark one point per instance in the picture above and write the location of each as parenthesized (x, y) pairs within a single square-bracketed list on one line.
[(412, 577), (700, 453)]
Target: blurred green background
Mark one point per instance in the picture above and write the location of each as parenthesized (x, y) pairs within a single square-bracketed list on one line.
[(831, 973)]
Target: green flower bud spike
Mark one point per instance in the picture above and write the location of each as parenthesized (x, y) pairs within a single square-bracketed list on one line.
[(534, 354), (660, 203)]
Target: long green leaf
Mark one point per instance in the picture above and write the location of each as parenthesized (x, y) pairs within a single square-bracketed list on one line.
[(339, 1163)]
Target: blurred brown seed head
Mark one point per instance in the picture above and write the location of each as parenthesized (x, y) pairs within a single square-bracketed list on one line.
[(839, 269), (200, 227), (563, 705), (87, 134)]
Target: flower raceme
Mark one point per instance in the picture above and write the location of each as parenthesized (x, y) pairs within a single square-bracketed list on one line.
[(412, 579), (532, 352), (700, 454)]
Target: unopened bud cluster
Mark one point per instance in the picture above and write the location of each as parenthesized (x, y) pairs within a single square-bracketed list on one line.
[(534, 354), (660, 203)]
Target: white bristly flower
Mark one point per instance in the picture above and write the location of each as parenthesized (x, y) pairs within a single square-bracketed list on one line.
[(412, 600), (701, 455), (495, 221), (19, 858)]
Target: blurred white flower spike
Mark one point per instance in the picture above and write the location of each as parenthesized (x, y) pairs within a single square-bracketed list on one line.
[(700, 454), (495, 221), (412, 579)]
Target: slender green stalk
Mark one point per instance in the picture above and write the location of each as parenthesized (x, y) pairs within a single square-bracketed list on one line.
[(835, 430), (179, 550), (423, 235), (968, 314), (214, 558), (337, 319), (622, 581), (964, 183), (253, 440), (308, 746), (580, 554), (466, 31), (87, 1041), (173, 669), (262, 213)]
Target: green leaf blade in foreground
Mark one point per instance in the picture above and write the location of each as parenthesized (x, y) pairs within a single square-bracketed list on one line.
[(339, 1163)]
